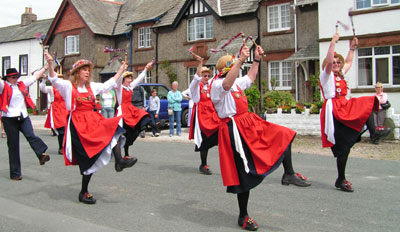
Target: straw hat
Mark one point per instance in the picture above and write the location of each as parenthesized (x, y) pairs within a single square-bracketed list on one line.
[(207, 70), (79, 64), (223, 62), (127, 74)]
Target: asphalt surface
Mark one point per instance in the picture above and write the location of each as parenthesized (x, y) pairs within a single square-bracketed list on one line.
[(165, 192)]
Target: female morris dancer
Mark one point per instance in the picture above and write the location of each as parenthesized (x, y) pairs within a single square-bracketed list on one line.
[(134, 120), (57, 114), (342, 119), (90, 138), (250, 148), (205, 121)]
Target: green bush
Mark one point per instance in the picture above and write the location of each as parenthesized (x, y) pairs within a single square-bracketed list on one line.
[(253, 97), (278, 99)]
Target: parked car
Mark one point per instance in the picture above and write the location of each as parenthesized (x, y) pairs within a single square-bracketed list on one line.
[(162, 92)]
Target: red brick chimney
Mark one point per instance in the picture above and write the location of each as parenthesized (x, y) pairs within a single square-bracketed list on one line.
[(28, 17)]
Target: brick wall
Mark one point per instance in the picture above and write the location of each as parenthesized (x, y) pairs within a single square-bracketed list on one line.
[(69, 21)]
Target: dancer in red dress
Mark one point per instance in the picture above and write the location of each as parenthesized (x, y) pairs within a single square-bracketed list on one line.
[(342, 120), (250, 148), (135, 120), (205, 121), (57, 114), (89, 138)]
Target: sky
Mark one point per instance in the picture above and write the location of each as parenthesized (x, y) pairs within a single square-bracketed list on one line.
[(11, 10)]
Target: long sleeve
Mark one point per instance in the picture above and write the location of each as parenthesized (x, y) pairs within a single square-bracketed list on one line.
[(195, 88), (158, 105), (65, 89), (138, 80)]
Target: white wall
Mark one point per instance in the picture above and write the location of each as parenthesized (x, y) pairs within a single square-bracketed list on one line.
[(329, 12), (35, 58)]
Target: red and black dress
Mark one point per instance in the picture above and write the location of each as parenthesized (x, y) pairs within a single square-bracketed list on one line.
[(134, 119), (205, 121), (250, 148), (342, 120), (89, 137), (57, 114)]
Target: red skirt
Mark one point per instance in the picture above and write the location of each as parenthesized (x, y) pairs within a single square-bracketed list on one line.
[(131, 114), (266, 142), (95, 132), (352, 113)]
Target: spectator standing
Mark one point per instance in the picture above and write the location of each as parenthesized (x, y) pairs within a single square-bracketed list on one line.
[(154, 110), (379, 116), (107, 102), (174, 109)]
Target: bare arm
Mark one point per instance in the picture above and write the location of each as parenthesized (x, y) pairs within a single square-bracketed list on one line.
[(49, 60), (200, 65), (234, 72), (331, 52), (350, 55), (120, 71), (252, 74)]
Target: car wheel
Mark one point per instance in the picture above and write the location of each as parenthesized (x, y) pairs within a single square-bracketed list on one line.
[(185, 117)]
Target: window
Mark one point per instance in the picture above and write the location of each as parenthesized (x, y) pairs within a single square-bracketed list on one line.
[(281, 73), (147, 78), (379, 64), (72, 44), (23, 65), (191, 72), (6, 61), (278, 17), (144, 37), (245, 69), (200, 28), (362, 4)]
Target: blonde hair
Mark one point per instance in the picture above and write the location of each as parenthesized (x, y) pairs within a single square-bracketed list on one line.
[(75, 77), (378, 84), (337, 56)]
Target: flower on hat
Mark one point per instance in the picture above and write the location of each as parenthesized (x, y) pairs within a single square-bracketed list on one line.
[(80, 63)]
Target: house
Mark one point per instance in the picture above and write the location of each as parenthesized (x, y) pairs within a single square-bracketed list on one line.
[(20, 49), (377, 58)]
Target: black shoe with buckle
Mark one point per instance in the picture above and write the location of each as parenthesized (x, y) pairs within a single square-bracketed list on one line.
[(205, 170), (247, 223), (295, 179), (344, 185), (44, 158), (125, 163), (87, 198)]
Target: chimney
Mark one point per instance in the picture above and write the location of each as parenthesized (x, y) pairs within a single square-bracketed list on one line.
[(28, 17)]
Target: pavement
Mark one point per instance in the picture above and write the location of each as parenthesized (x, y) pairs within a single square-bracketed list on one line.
[(164, 191)]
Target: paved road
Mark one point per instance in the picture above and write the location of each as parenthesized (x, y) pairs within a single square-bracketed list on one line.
[(165, 192)]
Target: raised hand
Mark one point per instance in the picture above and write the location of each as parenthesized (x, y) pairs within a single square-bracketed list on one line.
[(259, 51)]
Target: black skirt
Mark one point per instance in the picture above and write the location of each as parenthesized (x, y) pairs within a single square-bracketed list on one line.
[(345, 138)]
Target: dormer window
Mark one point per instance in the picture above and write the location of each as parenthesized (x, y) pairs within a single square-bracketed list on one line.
[(200, 28), (144, 37)]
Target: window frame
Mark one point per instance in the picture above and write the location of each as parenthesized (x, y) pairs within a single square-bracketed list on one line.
[(4, 69), (280, 80), (280, 27), (374, 5), (144, 37), (374, 57), (21, 71), (75, 46), (207, 35)]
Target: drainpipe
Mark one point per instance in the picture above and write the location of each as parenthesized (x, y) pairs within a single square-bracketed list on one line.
[(156, 57), (296, 64), (130, 36), (259, 66)]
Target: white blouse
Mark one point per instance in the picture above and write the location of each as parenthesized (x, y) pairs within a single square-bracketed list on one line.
[(223, 100)]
